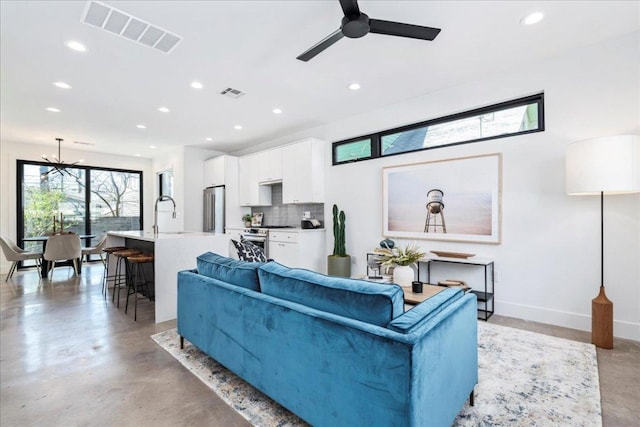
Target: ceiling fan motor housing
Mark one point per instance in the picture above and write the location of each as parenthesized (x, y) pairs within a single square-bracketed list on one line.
[(355, 26)]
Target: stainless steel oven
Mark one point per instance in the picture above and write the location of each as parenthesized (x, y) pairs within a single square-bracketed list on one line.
[(259, 237)]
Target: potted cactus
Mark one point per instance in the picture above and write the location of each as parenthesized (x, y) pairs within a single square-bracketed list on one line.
[(339, 263)]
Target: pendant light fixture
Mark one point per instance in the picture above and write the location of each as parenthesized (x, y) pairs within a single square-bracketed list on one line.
[(58, 165)]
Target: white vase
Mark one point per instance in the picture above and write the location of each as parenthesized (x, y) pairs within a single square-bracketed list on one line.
[(403, 275)]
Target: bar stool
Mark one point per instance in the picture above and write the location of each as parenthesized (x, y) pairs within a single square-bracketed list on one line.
[(122, 277), (105, 276), (138, 280)]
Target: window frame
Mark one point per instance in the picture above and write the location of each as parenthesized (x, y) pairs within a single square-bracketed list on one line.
[(373, 140), (376, 138), (87, 194)]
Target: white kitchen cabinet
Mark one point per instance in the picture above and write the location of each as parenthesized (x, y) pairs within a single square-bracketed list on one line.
[(270, 165), (303, 172), (299, 248), (284, 253), (251, 193), (215, 171)]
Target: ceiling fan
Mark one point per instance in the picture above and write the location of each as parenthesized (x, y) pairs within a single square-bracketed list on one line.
[(356, 24)]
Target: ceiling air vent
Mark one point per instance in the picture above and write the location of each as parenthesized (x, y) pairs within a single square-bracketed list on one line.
[(129, 27), (232, 93)]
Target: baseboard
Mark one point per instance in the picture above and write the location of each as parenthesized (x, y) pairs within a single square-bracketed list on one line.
[(621, 329)]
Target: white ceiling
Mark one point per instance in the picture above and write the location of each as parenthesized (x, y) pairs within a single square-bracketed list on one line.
[(252, 46)]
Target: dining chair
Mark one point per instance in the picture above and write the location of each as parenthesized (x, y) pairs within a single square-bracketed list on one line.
[(15, 254), (62, 247), (95, 250)]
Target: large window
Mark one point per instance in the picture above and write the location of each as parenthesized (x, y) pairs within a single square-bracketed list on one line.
[(90, 200), (516, 117)]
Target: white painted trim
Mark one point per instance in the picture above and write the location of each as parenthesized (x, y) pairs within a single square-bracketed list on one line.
[(621, 329)]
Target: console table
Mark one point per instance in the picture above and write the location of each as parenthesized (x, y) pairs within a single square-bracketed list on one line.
[(486, 296)]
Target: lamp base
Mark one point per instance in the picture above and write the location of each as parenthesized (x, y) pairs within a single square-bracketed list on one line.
[(602, 321)]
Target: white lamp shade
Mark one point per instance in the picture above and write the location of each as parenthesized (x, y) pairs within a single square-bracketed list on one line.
[(609, 164)]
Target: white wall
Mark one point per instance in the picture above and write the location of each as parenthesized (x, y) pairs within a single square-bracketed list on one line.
[(548, 263), (187, 164), (11, 151), (173, 160)]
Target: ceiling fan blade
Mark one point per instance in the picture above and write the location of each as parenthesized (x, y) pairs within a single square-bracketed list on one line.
[(350, 7), (403, 30), (328, 41)]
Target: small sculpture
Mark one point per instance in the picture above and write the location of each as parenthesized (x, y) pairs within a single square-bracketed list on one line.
[(387, 244)]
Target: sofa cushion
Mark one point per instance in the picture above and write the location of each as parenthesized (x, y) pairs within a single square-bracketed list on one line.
[(236, 272), (369, 302)]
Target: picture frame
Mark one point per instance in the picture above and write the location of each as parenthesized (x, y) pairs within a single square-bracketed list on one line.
[(256, 219), (457, 200)]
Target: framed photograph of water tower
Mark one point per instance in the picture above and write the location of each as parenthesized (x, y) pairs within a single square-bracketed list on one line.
[(456, 200)]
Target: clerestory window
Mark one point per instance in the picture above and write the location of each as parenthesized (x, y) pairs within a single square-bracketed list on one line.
[(516, 117)]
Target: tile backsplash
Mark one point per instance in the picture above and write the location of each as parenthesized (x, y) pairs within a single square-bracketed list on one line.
[(279, 214)]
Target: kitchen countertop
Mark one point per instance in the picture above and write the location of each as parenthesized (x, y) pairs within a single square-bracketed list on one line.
[(289, 229), (148, 236), (298, 229), (173, 252)]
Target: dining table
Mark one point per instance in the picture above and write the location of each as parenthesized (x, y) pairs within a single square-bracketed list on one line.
[(44, 270)]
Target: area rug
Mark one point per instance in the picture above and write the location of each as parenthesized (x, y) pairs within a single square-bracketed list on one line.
[(525, 379)]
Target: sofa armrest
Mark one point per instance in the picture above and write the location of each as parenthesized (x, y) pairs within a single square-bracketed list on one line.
[(412, 319)]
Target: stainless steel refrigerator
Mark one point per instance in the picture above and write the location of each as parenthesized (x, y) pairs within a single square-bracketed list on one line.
[(213, 204)]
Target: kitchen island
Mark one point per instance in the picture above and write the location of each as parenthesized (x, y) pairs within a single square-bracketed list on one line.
[(173, 252)]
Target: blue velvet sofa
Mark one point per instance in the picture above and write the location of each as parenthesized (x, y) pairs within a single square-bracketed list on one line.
[(334, 351)]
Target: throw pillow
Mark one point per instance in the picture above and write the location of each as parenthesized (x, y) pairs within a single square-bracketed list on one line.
[(249, 252)]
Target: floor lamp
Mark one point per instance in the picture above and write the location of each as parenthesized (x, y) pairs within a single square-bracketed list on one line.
[(608, 165)]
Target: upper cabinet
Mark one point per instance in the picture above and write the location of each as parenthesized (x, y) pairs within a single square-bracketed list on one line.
[(251, 193), (215, 169), (270, 166), (303, 172)]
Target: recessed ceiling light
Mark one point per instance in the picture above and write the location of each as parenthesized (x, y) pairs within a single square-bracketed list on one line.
[(237, 127), (532, 18), (53, 109), (141, 126), (81, 161), (163, 109), (354, 86), (137, 154), (62, 85), (153, 146), (277, 111), (208, 139), (197, 85), (77, 46)]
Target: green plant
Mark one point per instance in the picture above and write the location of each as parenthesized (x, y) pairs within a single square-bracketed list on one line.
[(339, 247), (400, 256), (40, 208), (246, 217)]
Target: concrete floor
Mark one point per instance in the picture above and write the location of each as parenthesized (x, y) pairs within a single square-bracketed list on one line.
[(71, 358)]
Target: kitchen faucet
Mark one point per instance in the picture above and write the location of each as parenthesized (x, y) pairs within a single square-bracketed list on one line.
[(155, 211)]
